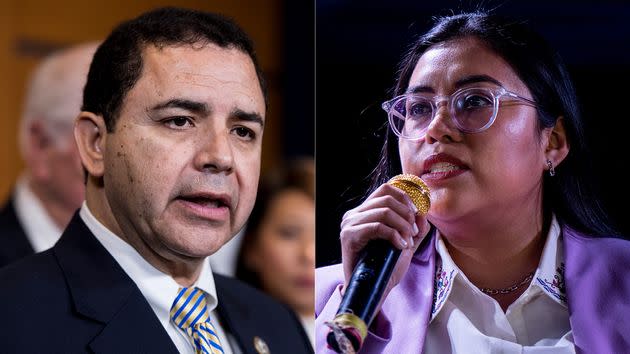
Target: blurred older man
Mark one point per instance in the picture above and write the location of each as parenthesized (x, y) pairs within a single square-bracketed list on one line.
[(51, 187)]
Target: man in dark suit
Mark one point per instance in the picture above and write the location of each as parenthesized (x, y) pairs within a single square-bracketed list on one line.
[(170, 138), (50, 189)]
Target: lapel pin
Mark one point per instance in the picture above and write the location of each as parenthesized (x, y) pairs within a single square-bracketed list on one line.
[(261, 346)]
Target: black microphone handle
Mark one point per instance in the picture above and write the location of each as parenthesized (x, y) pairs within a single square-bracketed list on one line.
[(362, 295), (364, 292), (369, 279)]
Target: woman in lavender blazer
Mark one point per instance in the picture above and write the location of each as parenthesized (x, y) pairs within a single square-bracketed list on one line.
[(523, 260)]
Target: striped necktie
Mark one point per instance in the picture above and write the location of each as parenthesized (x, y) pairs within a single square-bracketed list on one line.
[(189, 313)]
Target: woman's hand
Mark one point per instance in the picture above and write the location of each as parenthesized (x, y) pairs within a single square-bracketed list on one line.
[(388, 213)]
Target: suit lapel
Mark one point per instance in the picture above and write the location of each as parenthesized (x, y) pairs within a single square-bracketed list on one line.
[(235, 318), (102, 291), (134, 329)]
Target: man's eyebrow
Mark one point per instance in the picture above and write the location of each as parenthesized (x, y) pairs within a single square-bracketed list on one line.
[(239, 114), (203, 109), (473, 79), (189, 105)]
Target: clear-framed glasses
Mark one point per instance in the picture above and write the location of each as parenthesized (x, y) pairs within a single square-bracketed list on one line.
[(472, 109)]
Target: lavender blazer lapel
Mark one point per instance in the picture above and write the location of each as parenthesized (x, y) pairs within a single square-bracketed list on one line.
[(409, 304), (598, 292)]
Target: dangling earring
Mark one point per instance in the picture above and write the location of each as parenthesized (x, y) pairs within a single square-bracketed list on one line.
[(552, 171)]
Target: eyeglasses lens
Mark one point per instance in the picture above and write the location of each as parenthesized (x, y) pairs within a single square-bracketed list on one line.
[(471, 110)]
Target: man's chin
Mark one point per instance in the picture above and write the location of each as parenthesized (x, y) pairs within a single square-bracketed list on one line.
[(203, 248), (199, 253), (192, 240)]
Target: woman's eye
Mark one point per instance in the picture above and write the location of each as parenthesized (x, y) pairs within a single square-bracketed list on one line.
[(475, 101), (288, 232), (419, 109), (179, 123)]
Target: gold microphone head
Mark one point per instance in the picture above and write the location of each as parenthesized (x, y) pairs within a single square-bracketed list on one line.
[(415, 188)]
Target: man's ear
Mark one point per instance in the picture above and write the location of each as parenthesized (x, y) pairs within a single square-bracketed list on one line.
[(557, 144), (90, 134)]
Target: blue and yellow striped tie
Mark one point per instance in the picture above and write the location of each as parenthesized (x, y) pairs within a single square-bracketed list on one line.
[(189, 313)]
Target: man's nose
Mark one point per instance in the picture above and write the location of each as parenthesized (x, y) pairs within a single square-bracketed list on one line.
[(215, 153)]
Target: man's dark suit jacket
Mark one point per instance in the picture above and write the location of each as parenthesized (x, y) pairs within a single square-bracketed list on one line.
[(75, 298), (13, 241)]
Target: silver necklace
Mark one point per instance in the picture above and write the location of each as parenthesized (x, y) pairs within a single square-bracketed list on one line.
[(510, 289)]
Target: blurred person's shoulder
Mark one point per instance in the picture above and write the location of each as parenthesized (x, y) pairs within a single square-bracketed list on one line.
[(13, 241)]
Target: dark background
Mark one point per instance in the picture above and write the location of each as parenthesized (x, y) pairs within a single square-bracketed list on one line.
[(359, 44), (298, 79)]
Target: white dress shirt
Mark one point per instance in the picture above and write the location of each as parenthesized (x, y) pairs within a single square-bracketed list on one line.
[(463, 318), (308, 322), (40, 229), (159, 288), (224, 260)]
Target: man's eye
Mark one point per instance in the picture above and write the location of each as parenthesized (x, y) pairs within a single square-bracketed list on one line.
[(179, 123), (245, 133)]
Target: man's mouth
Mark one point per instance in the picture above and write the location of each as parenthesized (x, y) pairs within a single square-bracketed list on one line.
[(214, 207), (205, 202)]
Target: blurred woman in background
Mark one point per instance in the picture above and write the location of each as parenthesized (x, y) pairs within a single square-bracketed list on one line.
[(278, 249)]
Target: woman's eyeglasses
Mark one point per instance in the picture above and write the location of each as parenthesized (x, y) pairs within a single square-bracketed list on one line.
[(472, 109)]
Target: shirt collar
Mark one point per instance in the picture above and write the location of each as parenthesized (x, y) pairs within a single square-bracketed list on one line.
[(159, 288), (549, 275), (445, 274), (40, 229)]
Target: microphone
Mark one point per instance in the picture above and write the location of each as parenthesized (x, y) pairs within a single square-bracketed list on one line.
[(370, 277)]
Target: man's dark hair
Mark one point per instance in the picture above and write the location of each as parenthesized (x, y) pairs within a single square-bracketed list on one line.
[(117, 63), (570, 194)]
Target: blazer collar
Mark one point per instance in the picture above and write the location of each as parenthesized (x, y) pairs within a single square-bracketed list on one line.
[(425, 257), (101, 290)]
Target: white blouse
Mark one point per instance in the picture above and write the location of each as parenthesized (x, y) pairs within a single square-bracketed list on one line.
[(465, 320)]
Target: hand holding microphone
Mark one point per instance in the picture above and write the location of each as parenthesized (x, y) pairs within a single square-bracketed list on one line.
[(380, 237)]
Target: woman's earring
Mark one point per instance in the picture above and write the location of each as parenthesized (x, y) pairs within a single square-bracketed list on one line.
[(552, 171)]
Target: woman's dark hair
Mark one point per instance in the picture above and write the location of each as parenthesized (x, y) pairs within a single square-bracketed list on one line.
[(299, 174), (569, 194)]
